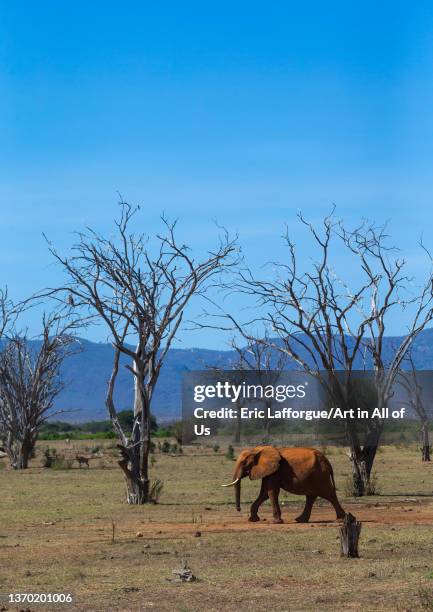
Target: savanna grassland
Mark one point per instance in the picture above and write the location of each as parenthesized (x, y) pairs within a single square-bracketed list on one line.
[(56, 535)]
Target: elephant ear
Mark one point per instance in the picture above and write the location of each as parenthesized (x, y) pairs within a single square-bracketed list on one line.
[(266, 462)]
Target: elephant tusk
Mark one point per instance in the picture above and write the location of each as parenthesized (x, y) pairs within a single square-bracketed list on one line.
[(232, 483)]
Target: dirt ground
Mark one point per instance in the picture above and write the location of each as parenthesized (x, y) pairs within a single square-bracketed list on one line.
[(70, 531)]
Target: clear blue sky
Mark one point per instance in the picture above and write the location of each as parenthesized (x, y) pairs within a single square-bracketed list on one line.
[(243, 112)]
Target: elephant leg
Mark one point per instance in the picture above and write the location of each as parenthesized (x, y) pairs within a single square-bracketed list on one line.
[(276, 511), (332, 497), (304, 517), (263, 496)]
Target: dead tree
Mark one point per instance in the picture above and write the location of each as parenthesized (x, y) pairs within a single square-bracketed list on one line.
[(329, 329), (140, 290), (260, 358), (410, 382), (390, 289), (8, 312), (234, 376), (30, 381)]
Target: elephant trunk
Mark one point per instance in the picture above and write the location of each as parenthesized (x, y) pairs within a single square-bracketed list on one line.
[(237, 476), (238, 495)]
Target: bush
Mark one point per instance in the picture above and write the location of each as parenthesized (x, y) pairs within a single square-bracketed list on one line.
[(156, 490), (49, 457), (163, 432), (230, 454), (372, 488), (176, 431), (216, 448), (78, 435), (182, 431), (61, 463)]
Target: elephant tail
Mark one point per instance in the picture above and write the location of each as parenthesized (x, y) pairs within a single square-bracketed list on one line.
[(331, 473)]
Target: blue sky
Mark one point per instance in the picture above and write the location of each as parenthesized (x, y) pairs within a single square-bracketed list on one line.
[(240, 112)]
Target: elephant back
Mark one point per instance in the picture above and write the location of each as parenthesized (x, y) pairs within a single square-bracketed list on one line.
[(303, 461)]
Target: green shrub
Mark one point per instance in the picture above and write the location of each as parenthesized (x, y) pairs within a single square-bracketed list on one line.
[(164, 432), (49, 457), (230, 454), (77, 435), (176, 430)]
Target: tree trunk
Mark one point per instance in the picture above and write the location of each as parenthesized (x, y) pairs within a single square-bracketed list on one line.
[(20, 454), (267, 424), (137, 487), (135, 451), (359, 472), (363, 457), (135, 464), (362, 465), (23, 459), (425, 441), (238, 425), (369, 453), (135, 457)]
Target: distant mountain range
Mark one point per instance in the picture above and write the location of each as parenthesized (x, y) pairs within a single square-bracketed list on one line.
[(86, 375)]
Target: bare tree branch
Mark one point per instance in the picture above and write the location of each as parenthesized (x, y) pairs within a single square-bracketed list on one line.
[(139, 289), (30, 382), (330, 330)]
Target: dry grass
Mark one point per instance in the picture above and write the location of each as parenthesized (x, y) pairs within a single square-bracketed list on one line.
[(56, 535)]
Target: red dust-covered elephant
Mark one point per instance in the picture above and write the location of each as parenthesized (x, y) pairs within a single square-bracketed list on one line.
[(303, 471)]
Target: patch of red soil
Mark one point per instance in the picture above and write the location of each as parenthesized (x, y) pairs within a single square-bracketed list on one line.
[(407, 513)]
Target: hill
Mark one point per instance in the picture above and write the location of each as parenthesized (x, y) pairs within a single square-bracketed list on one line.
[(86, 375)]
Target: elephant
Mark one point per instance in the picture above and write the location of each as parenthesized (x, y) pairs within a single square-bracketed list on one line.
[(303, 471)]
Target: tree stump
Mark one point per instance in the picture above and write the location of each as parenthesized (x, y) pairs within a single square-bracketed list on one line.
[(349, 536)]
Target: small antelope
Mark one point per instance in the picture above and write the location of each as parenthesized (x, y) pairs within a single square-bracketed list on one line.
[(82, 460)]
